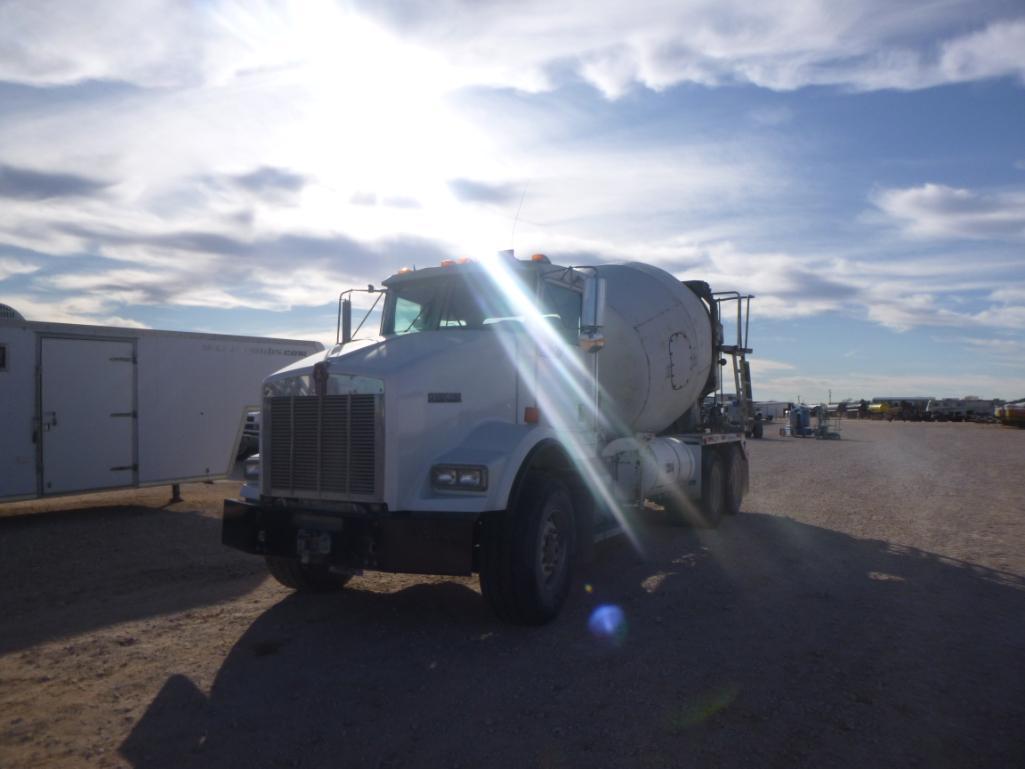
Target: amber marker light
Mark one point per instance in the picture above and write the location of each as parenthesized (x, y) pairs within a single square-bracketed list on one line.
[(531, 415), (447, 262), (540, 258)]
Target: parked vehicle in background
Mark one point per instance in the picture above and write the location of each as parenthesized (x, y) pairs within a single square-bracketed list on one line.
[(1011, 414), (960, 410), (772, 410), (909, 408)]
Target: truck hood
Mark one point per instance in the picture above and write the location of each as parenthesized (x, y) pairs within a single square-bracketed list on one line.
[(432, 354)]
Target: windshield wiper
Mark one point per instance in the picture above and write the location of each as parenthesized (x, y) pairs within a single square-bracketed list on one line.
[(413, 321)]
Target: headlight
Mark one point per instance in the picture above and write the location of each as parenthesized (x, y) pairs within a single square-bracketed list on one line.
[(459, 477), (252, 468)]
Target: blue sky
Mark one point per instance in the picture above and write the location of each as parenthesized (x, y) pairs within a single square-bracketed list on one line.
[(232, 166)]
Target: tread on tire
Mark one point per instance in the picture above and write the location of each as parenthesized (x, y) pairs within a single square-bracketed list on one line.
[(514, 544)]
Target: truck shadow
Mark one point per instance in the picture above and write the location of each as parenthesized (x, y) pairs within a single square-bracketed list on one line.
[(769, 642), (66, 572)]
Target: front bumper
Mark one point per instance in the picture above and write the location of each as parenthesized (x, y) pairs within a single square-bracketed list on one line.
[(407, 542)]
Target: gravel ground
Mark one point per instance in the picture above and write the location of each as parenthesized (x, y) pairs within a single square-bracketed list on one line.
[(867, 608)]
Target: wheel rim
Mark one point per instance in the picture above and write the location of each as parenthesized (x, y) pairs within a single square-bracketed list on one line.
[(551, 551)]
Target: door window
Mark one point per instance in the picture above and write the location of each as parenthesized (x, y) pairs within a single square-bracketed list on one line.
[(562, 306)]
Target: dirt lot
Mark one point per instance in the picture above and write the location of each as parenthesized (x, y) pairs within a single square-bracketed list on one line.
[(867, 608)]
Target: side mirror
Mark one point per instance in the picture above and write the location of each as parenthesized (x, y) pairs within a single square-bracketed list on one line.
[(592, 317), (346, 320)]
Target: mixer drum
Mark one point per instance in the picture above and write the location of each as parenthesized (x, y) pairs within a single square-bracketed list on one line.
[(658, 352)]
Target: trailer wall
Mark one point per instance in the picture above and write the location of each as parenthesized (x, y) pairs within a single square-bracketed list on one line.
[(90, 407), (17, 399), (193, 398)]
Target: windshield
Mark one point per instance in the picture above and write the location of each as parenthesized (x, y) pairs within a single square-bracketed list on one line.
[(469, 301)]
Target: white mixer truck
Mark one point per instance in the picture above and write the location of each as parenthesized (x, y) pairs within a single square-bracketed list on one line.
[(509, 414)]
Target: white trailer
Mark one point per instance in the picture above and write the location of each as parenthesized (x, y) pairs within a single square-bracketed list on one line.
[(85, 408)]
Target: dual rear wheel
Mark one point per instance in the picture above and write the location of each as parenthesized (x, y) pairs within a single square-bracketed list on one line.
[(723, 482)]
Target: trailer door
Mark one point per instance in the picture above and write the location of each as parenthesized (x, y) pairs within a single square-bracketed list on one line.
[(87, 414)]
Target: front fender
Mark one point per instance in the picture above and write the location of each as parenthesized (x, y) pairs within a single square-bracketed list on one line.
[(502, 447)]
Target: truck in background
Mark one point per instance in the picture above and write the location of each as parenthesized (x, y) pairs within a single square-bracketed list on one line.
[(87, 408), (508, 414), (1011, 414)]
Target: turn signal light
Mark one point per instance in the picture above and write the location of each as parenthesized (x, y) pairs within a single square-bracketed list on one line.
[(540, 258), (447, 262), (531, 415)]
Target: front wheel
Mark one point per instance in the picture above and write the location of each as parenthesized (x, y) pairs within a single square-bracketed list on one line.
[(527, 552), (305, 577)]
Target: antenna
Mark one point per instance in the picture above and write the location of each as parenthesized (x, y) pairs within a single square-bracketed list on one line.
[(512, 237)]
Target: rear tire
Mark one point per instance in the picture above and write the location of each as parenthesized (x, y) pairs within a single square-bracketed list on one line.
[(713, 488), (735, 479), (305, 577), (527, 553)]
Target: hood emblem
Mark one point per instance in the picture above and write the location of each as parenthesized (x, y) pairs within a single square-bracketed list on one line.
[(444, 397)]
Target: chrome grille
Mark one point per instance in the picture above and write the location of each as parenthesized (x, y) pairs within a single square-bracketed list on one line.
[(328, 445)]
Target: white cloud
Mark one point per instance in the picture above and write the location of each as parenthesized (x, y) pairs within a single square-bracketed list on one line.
[(939, 211), (92, 310), (997, 50), (1007, 316), (898, 294), (529, 45), (763, 365), (1004, 351), (10, 266), (772, 116), (149, 42), (1009, 294), (295, 116), (778, 45)]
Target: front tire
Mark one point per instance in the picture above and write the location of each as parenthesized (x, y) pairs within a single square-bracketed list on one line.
[(305, 577), (527, 553)]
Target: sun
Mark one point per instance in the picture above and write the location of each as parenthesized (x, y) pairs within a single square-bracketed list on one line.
[(369, 117)]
